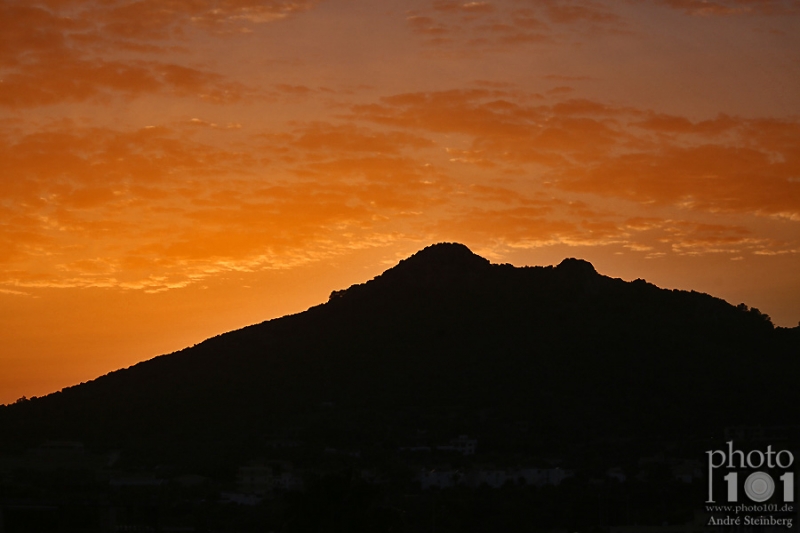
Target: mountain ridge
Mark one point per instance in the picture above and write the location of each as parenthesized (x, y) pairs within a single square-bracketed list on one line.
[(442, 328)]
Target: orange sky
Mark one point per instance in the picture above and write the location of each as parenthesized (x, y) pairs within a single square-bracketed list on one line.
[(174, 169)]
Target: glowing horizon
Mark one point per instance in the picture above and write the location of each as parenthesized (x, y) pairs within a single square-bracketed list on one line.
[(175, 170)]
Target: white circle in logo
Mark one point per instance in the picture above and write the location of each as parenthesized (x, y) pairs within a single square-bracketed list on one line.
[(759, 486)]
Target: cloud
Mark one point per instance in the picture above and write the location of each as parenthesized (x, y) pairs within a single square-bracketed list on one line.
[(552, 221), (671, 124), (572, 12), (532, 223), (725, 164), (568, 78), (492, 26), (477, 112), (320, 136), (53, 52), (706, 8), (164, 207), (56, 80), (154, 19), (155, 209), (562, 89), (521, 227), (294, 90), (71, 188), (452, 6), (52, 161), (504, 129), (687, 238)]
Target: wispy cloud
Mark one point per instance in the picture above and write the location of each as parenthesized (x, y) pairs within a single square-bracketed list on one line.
[(726, 164), (500, 24), (707, 8), (53, 52)]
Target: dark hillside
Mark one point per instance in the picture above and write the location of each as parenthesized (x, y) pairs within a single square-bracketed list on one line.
[(442, 336)]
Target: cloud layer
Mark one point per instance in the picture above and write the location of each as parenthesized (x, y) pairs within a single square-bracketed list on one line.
[(159, 207)]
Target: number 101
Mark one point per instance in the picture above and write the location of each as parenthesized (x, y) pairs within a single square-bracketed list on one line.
[(759, 486)]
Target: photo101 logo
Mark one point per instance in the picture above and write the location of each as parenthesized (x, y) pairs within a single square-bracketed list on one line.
[(748, 472)]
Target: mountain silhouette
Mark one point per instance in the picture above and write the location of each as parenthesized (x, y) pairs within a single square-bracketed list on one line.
[(446, 340)]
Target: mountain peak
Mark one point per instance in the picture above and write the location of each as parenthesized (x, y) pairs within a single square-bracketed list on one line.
[(445, 263), (442, 259), (576, 266), (447, 253)]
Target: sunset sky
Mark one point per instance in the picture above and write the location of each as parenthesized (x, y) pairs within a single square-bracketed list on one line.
[(174, 169)]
